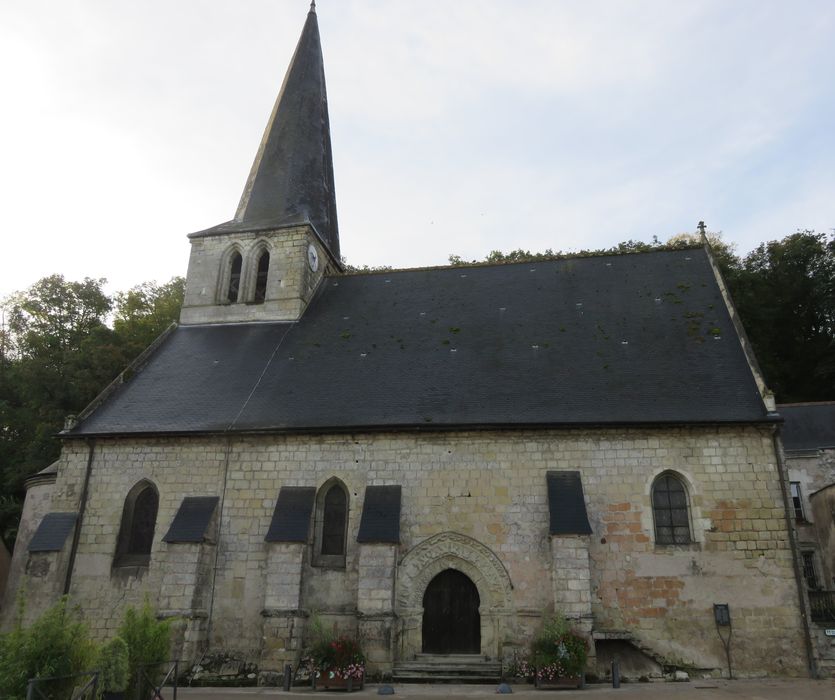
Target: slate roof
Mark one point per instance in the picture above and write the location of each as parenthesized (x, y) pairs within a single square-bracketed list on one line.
[(192, 519), (566, 505), (291, 181), (622, 339), (291, 517), (380, 520), (808, 426), (52, 532)]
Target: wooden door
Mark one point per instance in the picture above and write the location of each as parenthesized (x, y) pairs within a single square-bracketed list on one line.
[(451, 623)]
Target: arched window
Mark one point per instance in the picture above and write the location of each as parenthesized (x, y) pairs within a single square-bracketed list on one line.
[(139, 518), (331, 524), (333, 521), (670, 510), (261, 277), (234, 278)]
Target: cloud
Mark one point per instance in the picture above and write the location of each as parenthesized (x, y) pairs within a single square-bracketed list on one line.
[(457, 127)]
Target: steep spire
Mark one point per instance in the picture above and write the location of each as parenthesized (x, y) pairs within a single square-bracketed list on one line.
[(291, 181)]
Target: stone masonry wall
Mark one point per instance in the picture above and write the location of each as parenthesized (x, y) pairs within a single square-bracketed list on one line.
[(290, 282), (38, 500), (487, 486)]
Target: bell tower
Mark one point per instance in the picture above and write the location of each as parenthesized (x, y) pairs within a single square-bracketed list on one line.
[(265, 264)]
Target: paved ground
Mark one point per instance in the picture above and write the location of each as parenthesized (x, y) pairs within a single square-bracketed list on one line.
[(801, 689)]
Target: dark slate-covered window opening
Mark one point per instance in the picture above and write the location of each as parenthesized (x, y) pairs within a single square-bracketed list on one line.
[(261, 278), (809, 571), (52, 532), (669, 508), (291, 517), (797, 502), (192, 522), (380, 520), (333, 521), (136, 534), (234, 278)]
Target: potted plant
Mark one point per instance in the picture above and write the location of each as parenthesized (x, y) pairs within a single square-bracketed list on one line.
[(518, 668), (114, 669), (336, 661), (558, 655)]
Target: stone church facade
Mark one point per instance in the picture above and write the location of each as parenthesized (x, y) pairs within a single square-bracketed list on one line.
[(490, 444)]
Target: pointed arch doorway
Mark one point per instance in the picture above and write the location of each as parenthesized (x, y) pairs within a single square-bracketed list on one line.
[(451, 620)]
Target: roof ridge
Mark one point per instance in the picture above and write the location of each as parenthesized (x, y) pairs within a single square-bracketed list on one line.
[(805, 403), (507, 263)]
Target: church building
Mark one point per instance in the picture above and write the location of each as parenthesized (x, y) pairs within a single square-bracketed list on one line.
[(433, 459)]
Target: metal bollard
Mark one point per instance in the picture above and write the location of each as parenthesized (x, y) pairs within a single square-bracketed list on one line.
[(288, 679), (615, 673)]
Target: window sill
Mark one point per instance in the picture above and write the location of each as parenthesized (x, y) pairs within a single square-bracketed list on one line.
[(690, 547), (329, 561), (132, 561)]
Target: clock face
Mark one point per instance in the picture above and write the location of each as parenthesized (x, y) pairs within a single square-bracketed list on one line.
[(312, 257)]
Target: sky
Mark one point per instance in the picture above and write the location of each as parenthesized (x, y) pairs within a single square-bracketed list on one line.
[(458, 126)]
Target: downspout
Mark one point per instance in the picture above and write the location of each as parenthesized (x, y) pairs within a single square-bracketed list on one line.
[(91, 446), (803, 596), (217, 546)]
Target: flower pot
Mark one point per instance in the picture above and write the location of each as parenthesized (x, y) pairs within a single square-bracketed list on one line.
[(113, 695), (564, 682), (331, 679)]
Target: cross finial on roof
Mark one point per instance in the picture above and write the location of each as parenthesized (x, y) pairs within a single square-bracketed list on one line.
[(313, 5), (702, 231)]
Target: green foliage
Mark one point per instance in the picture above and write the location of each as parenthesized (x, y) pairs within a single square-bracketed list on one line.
[(785, 294), (148, 641), (114, 666), (54, 315), (355, 269), (329, 651), (56, 354), (145, 311), (557, 651), (57, 644)]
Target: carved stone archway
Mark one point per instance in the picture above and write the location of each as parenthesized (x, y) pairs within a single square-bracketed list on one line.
[(451, 550)]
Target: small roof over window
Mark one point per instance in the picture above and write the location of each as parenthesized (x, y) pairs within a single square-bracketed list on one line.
[(52, 532), (291, 517), (380, 515), (192, 519), (566, 504)]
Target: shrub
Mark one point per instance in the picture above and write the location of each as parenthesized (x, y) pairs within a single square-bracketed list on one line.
[(114, 666), (557, 651), (341, 656), (148, 641), (56, 644)]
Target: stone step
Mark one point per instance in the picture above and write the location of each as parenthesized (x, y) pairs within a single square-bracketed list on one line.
[(447, 668), (468, 670), (453, 658), (437, 678)]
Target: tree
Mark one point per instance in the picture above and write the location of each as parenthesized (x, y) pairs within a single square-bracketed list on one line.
[(785, 294), (53, 316), (57, 353), (145, 311)]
